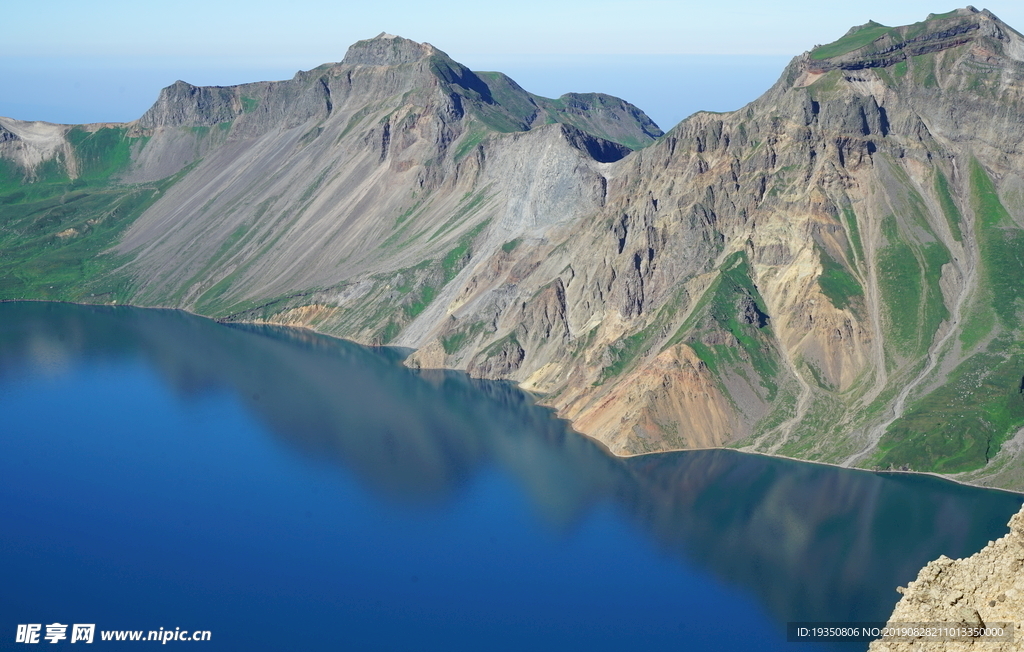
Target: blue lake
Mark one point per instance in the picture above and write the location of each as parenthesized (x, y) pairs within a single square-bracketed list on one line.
[(289, 491)]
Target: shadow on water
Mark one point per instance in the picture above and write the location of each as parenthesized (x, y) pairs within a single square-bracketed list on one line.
[(810, 542)]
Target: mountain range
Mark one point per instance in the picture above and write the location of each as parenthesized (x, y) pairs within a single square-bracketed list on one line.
[(830, 273)]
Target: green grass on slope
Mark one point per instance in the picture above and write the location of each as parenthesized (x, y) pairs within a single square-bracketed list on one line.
[(510, 246), (851, 42), (837, 284), (473, 137), (949, 207), (458, 339), (854, 231), (513, 109), (54, 232), (908, 277), (627, 350), (100, 154), (961, 425), (1002, 249), (923, 68), (719, 310), (753, 339)]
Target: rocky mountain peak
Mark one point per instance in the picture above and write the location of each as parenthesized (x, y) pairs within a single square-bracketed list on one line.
[(387, 50), (873, 45)]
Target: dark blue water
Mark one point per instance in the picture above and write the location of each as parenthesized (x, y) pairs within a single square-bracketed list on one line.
[(288, 491)]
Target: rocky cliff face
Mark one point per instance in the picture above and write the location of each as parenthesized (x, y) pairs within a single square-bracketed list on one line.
[(824, 265), (983, 589), (826, 273)]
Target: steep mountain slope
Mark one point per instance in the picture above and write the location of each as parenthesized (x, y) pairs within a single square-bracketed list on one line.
[(286, 187), (830, 273)]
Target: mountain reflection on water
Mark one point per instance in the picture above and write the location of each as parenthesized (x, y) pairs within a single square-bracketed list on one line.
[(810, 542)]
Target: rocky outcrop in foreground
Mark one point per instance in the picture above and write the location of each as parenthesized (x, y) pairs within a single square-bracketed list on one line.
[(986, 588)]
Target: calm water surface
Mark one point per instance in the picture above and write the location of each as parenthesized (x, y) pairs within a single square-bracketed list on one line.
[(288, 491)]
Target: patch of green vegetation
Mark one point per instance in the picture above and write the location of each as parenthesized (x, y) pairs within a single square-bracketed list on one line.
[(451, 261), (826, 85), (406, 213), (961, 425), (496, 104), (868, 33), (886, 78), (900, 69), (583, 344), (752, 337), (509, 108), (626, 350), (510, 246), (100, 154), (949, 208), (402, 224), (719, 310), (356, 118), (783, 409), (55, 234), (466, 208), (909, 281), (427, 294), (249, 104), (899, 279), (456, 259), (18, 184), (457, 340), (854, 231), (453, 343), (212, 301), (1002, 248), (706, 355), (924, 70), (980, 81), (934, 256), (818, 424), (977, 326), (230, 243), (310, 136), (313, 187), (494, 348), (201, 131), (918, 208), (390, 332), (408, 275), (991, 212), (470, 140), (817, 375), (836, 283), (695, 315)]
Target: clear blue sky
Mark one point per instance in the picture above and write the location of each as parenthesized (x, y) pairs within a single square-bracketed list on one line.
[(114, 55)]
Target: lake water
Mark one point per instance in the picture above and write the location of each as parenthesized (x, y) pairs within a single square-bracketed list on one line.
[(289, 491)]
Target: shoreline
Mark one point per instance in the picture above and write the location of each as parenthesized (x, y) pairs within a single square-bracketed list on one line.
[(537, 397)]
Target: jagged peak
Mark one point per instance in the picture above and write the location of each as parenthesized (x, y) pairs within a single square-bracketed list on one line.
[(387, 50)]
